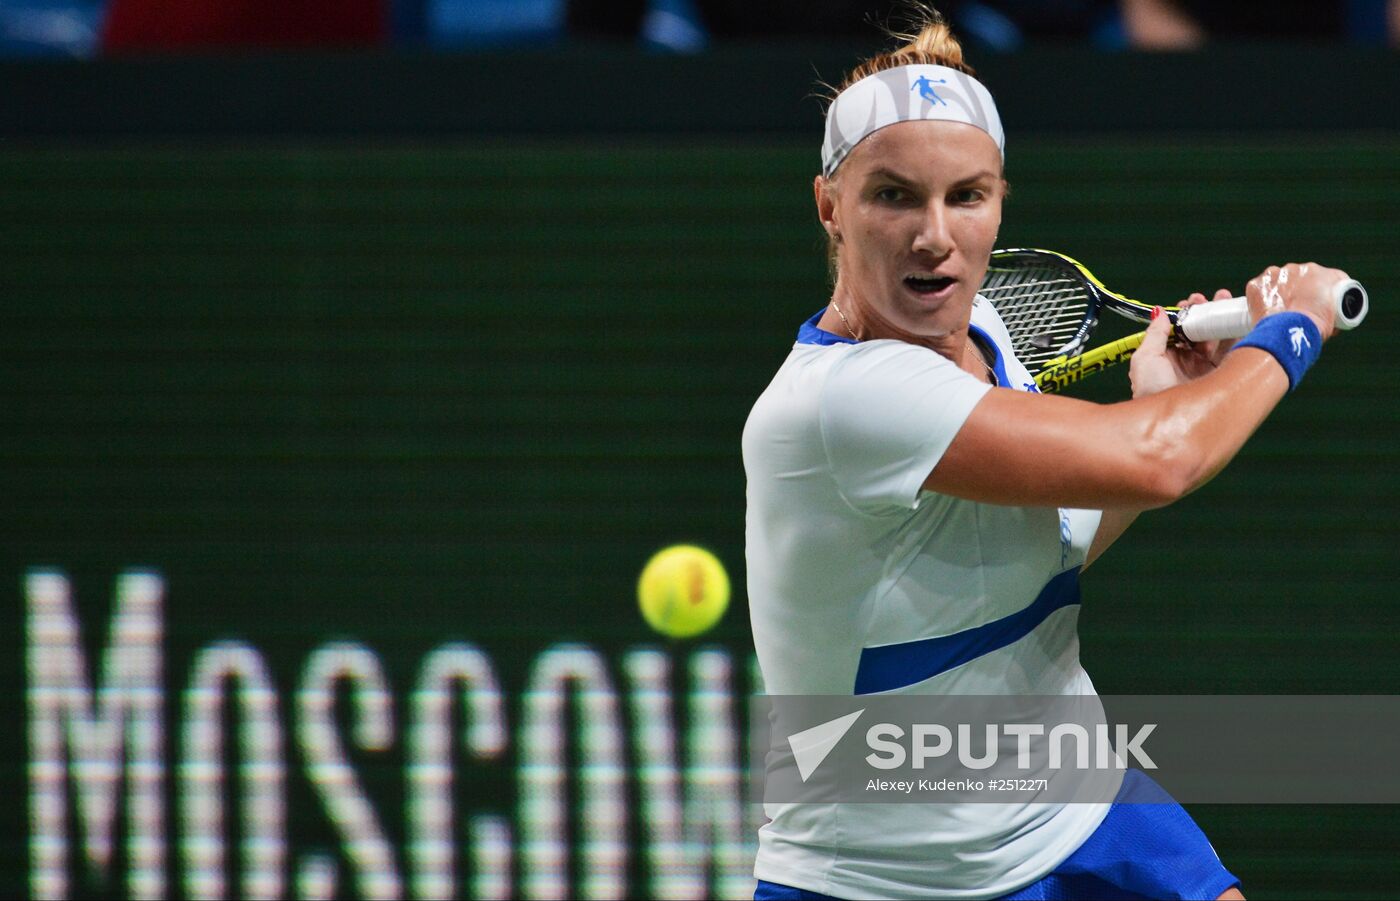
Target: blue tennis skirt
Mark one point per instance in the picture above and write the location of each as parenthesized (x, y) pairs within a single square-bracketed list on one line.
[(1146, 847)]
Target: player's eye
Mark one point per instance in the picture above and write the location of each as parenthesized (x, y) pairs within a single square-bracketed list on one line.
[(967, 196), (891, 195)]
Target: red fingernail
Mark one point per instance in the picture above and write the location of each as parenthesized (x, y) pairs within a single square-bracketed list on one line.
[(1156, 311)]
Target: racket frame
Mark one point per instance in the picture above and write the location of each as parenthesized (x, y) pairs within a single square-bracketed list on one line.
[(1071, 362), (1226, 319)]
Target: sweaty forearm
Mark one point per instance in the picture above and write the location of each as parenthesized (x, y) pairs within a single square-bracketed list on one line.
[(1197, 428), (1045, 450)]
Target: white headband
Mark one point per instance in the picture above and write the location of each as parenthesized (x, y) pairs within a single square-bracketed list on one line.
[(902, 95)]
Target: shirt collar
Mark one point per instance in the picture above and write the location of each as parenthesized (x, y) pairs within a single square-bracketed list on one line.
[(810, 333)]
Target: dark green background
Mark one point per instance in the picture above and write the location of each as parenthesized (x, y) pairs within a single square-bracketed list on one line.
[(408, 392)]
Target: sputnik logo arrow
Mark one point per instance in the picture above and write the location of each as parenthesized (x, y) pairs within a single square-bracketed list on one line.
[(810, 746)]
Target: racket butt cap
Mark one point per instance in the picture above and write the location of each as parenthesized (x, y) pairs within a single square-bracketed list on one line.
[(1351, 302)]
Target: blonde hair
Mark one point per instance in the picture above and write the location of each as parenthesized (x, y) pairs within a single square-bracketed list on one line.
[(933, 44)]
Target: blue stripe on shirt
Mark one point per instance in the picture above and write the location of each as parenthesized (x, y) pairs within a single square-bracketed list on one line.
[(898, 665)]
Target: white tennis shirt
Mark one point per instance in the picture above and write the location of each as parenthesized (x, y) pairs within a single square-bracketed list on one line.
[(852, 566)]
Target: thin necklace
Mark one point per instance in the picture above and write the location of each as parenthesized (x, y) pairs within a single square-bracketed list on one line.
[(977, 352), (844, 321)]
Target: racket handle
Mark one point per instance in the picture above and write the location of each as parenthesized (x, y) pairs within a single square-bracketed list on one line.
[(1215, 320), (1220, 319)]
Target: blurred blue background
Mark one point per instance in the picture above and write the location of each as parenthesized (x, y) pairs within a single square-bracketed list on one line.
[(83, 28)]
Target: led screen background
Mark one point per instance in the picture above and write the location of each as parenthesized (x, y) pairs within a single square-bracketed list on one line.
[(374, 414)]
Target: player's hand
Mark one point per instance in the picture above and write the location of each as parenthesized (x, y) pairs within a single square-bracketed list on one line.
[(1156, 367), (1299, 287)]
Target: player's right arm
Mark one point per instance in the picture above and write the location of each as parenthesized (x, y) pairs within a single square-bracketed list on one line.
[(1046, 450)]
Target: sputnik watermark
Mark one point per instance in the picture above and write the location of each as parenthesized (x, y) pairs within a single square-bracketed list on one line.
[(1069, 749), (928, 741), (899, 749), (811, 746), (887, 750)]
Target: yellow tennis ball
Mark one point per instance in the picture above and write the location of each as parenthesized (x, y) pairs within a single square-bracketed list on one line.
[(683, 591)]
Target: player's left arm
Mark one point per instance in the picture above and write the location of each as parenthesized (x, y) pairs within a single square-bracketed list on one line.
[(1159, 368), (1112, 524)]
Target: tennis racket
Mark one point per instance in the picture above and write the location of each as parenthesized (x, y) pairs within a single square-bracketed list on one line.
[(1051, 305)]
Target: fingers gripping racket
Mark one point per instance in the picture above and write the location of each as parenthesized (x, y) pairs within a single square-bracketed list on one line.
[(1051, 305)]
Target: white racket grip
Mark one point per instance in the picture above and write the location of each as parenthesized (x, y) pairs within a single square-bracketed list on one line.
[(1216, 320), (1219, 319)]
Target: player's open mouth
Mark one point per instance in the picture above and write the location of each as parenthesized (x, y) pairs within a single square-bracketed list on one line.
[(928, 284)]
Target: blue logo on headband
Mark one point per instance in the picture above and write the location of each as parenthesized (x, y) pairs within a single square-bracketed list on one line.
[(924, 85)]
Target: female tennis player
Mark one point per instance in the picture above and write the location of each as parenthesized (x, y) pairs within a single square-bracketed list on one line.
[(905, 481)]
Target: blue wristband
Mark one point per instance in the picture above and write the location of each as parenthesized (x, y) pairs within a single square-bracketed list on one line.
[(1292, 338)]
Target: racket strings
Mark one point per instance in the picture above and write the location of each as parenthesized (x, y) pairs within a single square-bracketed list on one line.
[(1043, 309)]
